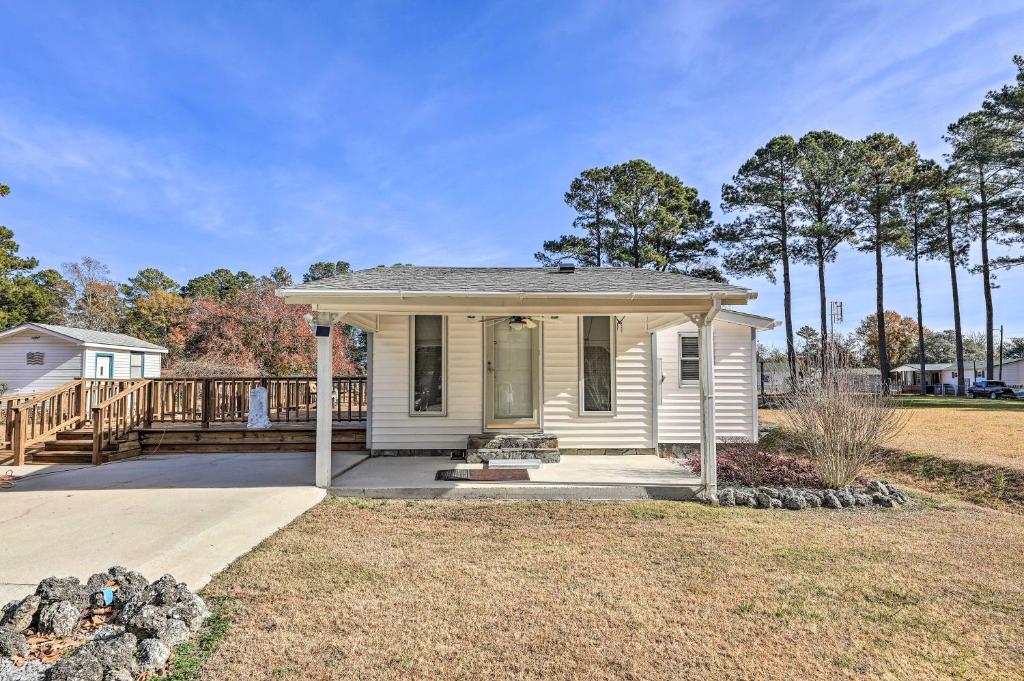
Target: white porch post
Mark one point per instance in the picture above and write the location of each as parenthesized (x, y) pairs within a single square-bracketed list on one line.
[(708, 447), (324, 400)]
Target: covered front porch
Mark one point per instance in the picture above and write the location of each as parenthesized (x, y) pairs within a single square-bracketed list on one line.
[(577, 477)]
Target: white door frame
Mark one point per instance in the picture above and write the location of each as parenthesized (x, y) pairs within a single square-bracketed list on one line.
[(530, 423)]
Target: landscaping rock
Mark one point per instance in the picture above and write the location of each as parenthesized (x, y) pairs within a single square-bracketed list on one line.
[(97, 581), (78, 667), (727, 497), (744, 496), (861, 500), (163, 591), (878, 487), (830, 500), (774, 503), (118, 675), (33, 670), (763, 500), (177, 632), (770, 491), (68, 589), (794, 501), (883, 501), (60, 618), (153, 655), (149, 622), (812, 499), (116, 653), (23, 614), (845, 496), (191, 610), (129, 582), (12, 642)]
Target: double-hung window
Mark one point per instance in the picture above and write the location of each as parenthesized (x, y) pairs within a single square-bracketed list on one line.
[(597, 364), (137, 365), (689, 359), (428, 365)]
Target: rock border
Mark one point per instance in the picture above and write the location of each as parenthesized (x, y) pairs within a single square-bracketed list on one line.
[(117, 626), (880, 493)]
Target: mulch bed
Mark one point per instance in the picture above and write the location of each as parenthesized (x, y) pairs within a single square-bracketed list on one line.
[(483, 475)]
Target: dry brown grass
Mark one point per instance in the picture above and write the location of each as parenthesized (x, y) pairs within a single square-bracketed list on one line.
[(974, 431), (660, 590)]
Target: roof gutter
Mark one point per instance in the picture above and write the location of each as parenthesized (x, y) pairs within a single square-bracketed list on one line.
[(402, 294)]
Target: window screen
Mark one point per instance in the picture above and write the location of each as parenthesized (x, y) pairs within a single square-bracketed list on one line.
[(597, 363), (428, 364), (137, 366), (689, 360)]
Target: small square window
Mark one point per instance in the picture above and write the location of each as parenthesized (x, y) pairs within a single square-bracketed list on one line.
[(35, 358)]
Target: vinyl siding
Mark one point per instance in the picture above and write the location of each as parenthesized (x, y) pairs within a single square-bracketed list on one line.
[(153, 365), (630, 425), (393, 427), (62, 362), (679, 411)]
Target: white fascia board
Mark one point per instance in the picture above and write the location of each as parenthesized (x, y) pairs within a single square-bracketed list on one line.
[(39, 329), (627, 295), (132, 348), (748, 319)]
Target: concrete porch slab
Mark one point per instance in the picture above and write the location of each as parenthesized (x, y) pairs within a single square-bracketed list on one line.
[(573, 478)]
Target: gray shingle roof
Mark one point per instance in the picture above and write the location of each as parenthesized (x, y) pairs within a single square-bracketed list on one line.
[(101, 337), (517, 280)]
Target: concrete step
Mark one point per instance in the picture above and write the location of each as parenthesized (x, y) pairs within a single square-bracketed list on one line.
[(512, 441), (531, 464), (545, 454)]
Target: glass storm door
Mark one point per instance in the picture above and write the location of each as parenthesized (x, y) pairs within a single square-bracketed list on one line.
[(513, 376)]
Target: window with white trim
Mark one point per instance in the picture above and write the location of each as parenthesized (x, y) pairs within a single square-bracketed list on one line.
[(597, 364), (137, 365), (427, 345), (689, 359)]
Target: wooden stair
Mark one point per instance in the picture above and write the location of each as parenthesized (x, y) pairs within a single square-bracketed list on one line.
[(239, 439), (68, 446)]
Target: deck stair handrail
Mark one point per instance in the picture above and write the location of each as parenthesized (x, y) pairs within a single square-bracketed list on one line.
[(114, 418), (7, 405), (53, 411)]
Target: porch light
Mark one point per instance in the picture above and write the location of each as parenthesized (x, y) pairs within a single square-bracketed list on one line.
[(516, 323)]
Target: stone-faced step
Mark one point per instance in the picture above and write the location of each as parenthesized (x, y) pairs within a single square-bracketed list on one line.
[(512, 441), (545, 454)]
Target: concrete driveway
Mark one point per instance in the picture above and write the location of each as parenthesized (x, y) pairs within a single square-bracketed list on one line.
[(185, 514)]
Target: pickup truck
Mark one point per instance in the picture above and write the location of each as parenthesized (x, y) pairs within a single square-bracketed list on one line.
[(991, 389)]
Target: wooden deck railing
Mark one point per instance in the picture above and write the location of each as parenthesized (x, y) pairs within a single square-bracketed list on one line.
[(119, 415), (116, 407), (7, 404), (63, 408), (226, 399)]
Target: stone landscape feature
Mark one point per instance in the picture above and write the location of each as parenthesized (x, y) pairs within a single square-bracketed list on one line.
[(116, 627)]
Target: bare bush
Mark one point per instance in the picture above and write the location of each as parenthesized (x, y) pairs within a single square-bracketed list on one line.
[(840, 425)]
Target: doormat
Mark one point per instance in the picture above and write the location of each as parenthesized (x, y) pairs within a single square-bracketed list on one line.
[(483, 475)]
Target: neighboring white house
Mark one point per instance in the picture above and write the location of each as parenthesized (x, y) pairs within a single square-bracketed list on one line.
[(37, 357), (1012, 372), (607, 360), (939, 378)]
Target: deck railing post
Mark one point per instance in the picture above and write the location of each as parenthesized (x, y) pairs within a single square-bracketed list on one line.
[(97, 436), (19, 436), (150, 388), (207, 407)]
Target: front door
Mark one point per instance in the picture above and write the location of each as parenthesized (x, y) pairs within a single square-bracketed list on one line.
[(512, 397), (104, 366)]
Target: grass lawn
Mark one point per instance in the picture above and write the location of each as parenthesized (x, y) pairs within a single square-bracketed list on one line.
[(980, 431), (659, 590)]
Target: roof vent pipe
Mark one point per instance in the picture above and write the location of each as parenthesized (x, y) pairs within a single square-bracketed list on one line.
[(566, 269)]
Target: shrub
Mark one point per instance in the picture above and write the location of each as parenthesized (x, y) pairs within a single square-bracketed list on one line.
[(841, 428)]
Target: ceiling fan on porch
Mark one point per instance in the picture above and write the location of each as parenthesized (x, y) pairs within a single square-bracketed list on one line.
[(515, 322)]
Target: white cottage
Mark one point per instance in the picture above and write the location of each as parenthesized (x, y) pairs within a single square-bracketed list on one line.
[(39, 357), (518, 362)]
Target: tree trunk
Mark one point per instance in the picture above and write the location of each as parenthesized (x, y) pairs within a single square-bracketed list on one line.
[(883, 349), (920, 313), (951, 256), (787, 302), (986, 276), (822, 301)]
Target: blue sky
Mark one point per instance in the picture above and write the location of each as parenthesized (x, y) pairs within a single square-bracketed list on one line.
[(190, 136)]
